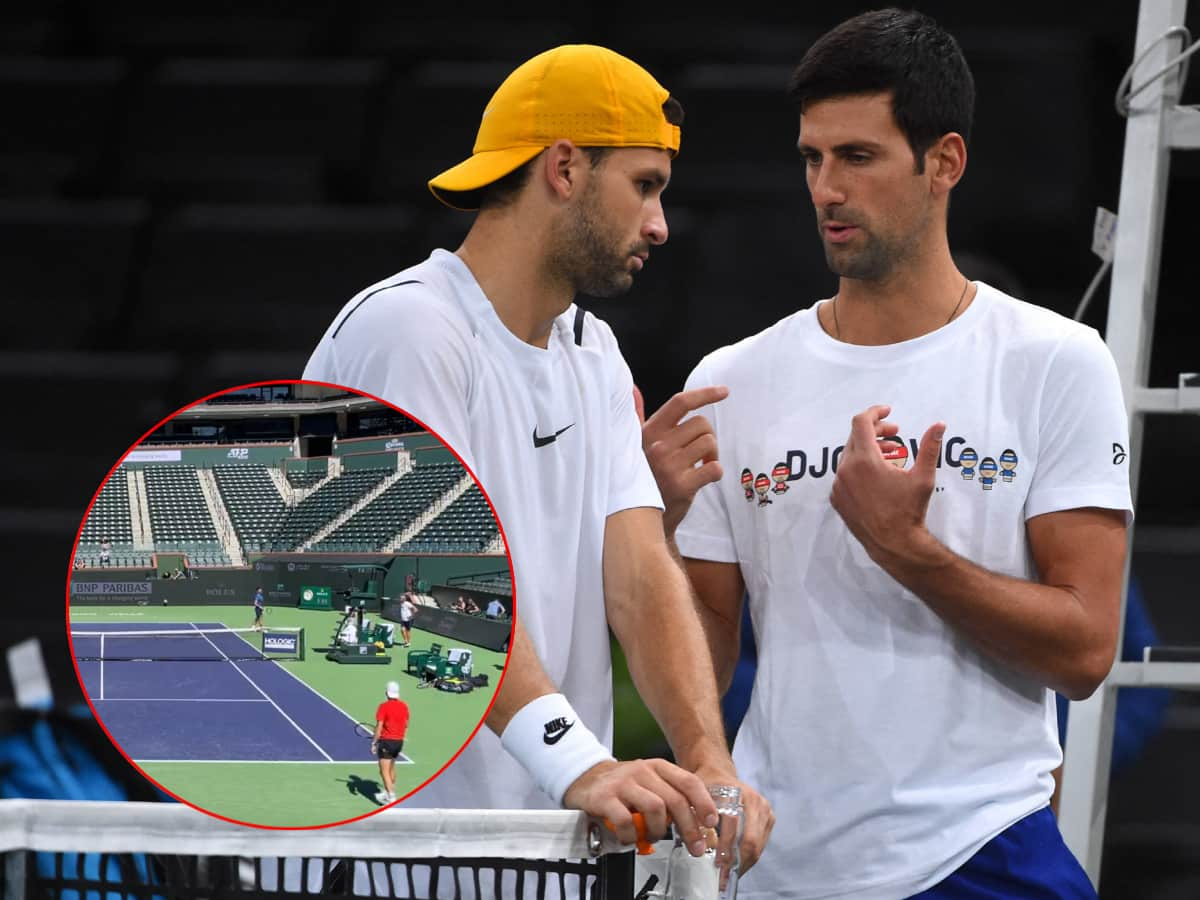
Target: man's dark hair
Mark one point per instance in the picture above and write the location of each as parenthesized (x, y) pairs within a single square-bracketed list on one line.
[(903, 52), (504, 190)]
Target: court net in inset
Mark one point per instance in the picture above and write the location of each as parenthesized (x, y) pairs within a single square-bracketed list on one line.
[(190, 644), (67, 850)]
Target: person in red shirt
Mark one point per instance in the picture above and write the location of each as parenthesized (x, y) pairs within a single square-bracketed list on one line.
[(391, 722)]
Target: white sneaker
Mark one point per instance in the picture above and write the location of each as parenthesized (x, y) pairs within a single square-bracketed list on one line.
[(381, 798), (391, 797)]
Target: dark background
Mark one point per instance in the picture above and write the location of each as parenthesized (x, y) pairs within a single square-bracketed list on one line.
[(189, 191)]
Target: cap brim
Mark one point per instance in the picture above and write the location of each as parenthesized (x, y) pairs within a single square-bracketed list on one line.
[(459, 187)]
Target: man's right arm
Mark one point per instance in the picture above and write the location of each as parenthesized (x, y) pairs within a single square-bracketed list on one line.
[(606, 788)]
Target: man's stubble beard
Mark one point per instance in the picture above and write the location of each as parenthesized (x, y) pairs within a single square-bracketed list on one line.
[(587, 252), (880, 256)]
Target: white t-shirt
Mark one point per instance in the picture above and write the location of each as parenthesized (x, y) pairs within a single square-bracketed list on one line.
[(890, 747), (553, 438), (407, 610)]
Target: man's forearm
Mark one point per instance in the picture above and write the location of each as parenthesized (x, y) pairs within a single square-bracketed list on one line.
[(1043, 630), (668, 656), (525, 679)]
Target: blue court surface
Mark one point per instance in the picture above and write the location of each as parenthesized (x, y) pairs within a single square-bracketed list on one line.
[(216, 710)]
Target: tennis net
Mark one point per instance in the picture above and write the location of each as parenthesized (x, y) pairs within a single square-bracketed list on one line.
[(67, 850), (190, 644)]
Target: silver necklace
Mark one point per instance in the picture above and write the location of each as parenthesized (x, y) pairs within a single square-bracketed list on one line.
[(837, 331)]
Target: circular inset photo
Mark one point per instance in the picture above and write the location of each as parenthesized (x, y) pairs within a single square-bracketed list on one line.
[(290, 605)]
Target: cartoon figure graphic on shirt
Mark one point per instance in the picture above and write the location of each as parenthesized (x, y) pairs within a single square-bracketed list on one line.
[(1008, 466), (987, 473), (748, 483), (762, 484), (968, 458), (894, 450), (779, 475)]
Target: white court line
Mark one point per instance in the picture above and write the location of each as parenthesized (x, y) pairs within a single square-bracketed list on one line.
[(254, 685), (293, 675), (185, 700), (305, 685)]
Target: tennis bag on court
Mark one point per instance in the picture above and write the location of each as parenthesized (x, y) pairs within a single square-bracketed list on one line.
[(480, 680), (454, 684)]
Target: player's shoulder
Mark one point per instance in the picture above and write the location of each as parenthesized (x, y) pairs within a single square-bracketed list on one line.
[(578, 327), (421, 300), (1039, 329)]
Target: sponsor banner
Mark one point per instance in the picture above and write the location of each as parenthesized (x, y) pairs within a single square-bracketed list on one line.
[(154, 456), (120, 588), (280, 642)]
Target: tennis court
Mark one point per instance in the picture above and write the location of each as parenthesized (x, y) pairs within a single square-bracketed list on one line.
[(207, 697), (262, 741)]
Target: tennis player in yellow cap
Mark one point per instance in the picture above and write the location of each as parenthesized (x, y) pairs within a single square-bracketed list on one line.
[(486, 347)]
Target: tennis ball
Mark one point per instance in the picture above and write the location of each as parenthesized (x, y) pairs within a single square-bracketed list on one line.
[(164, 601)]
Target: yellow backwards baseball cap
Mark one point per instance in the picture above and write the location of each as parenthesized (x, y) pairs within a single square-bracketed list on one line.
[(581, 92)]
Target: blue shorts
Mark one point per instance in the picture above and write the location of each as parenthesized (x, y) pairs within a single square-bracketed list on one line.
[(1027, 861)]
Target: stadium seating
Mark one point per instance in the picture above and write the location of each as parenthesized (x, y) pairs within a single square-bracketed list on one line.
[(253, 502), (247, 129), (75, 306), (179, 517), (264, 276), (325, 504), (465, 526), (499, 584), (304, 478), (59, 116), (381, 520), (109, 519)]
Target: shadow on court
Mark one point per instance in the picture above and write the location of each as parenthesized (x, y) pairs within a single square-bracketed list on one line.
[(365, 787)]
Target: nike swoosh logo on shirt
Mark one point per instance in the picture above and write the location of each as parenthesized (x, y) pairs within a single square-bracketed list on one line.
[(553, 737), (543, 441)]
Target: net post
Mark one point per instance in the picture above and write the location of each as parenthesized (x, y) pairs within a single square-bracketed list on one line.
[(616, 878)]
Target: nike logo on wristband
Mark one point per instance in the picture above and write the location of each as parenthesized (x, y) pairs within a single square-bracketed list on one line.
[(555, 729), (543, 441)]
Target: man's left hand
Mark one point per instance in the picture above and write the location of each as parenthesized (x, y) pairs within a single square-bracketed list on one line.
[(757, 815), (883, 506), (682, 455)]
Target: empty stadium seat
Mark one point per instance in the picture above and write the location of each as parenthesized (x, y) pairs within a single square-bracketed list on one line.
[(408, 32), (465, 526), (385, 517), (144, 30), (325, 504), (253, 502), (428, 124), (249, 130), (108, 402), (269, 278), (59, 117), (68, 267)]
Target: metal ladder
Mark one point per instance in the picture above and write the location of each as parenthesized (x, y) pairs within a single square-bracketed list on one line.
[(1156, 125)]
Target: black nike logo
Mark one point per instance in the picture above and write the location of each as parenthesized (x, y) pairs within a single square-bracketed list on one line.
[(543, 441), (556, 728)]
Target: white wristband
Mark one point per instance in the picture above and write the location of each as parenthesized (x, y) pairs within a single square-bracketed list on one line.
[(552, 743)]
